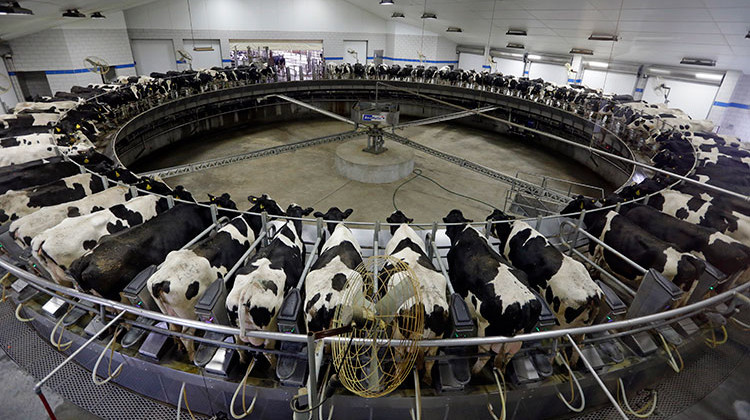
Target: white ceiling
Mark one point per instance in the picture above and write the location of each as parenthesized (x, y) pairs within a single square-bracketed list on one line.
[(48, 14), (650, 31)]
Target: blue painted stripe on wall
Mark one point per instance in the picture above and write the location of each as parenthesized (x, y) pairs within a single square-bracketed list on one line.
[(333, 58), (370, 58), (181, 61), (77, 71), (732, 105), (414, 60), (525, 72), (226, 60), (575, 80), (639, 90)]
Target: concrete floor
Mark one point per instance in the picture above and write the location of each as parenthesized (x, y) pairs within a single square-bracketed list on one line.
[(308, 176), (18, 401)]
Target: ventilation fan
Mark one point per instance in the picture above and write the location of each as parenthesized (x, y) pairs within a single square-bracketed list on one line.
[(354, 54), (97, 65), (381, 303), (4, 84), (661, 89), (186, 57)]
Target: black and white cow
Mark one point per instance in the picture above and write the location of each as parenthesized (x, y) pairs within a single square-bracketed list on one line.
[(725, 253), (497, 294), (185, 274), (325, 285), (26, 153), (34, 139), (15, 204), (56, 248), (39, 172), (260, 286), (113, 263), (24, 229), (564, 282), (646, 250), (693, 209), (408, 247)]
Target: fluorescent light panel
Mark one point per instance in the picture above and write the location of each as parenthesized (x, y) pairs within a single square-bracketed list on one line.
[(598, 64), (386, 2), (515, 45), (602, 37), (453, 29), (516, 32), (73, 13), (699, 61), (660, 71), (581, 51), (426, 15), (397, 15), (534, 57), (98, 15)]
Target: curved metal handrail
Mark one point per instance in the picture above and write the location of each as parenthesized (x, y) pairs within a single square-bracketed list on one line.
[(51, 288)]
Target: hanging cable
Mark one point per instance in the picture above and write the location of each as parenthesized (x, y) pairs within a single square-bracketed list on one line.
[(18, 314), (573, 380), (612, 48), (489, 35), (418, 173), (712, 342), (670, 358), (59, 345), (641, 413), (181, 398), (501, 390), (243, 385)]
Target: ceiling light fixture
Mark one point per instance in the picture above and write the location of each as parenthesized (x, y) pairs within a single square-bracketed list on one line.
[(709, 76), (598, 64), (397, 15), (73, 13), (98, 15), (426, 15), (748, 35), (582, 51), (699, 62), (602, 37), (515, 45), (534, 57), (659, 71), (454, 29), (386, 2), (13, 8), (516, 32)]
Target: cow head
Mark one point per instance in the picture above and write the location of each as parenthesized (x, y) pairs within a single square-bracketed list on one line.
[(223, 201), (334, 215), (578, 204), (264, 203), (397, 218), (122, 175), (180, 193), (295, 210), (92, 158), (455, 216), (153, 186), (645, 187), (500, 230)]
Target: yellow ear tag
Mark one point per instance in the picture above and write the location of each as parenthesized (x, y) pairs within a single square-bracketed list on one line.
[(638, 192), (262, 206), (78, 126), (148, 187), (117, 174), (86, 160), (58, 129), (177, 197), (581, 205)]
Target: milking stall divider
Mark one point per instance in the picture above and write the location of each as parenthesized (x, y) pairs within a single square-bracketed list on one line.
[(619, 351)]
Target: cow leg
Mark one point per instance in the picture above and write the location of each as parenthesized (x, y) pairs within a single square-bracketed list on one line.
[(428, 364)]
